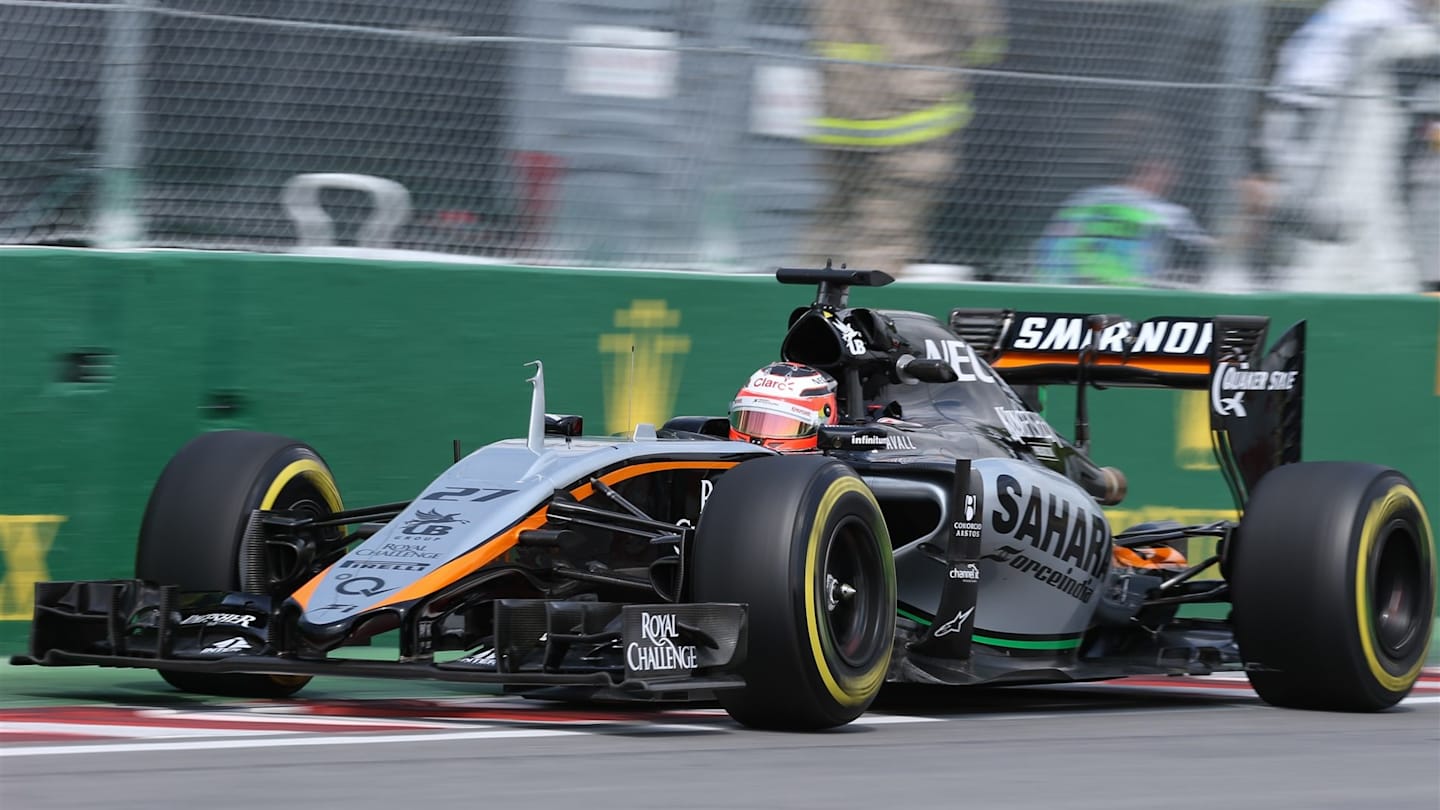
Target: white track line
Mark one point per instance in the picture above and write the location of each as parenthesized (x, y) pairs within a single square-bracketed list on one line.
[(132, 732), (261, 739), (282, 742), (259, 719), (894, 719)]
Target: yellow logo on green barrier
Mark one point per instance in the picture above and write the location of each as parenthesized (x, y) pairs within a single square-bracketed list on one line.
[(1193, 450), (642, 365), (25, 542)]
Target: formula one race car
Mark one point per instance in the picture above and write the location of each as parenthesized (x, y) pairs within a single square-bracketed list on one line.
[(942, 532)]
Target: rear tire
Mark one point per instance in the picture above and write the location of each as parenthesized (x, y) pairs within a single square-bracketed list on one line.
[(1332, 579), (802, 541), (193, 532)]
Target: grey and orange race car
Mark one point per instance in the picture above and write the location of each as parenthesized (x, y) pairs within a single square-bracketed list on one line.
[(943, 533)]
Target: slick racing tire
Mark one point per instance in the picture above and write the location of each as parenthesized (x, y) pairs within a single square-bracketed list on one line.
[(802, 541), (1332, 580), (193, 532)]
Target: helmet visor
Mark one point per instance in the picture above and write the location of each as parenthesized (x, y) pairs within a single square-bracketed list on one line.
[(769, 425)]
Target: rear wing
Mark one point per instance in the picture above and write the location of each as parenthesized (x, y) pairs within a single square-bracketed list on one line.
[(1256, 397), (1050, 348)]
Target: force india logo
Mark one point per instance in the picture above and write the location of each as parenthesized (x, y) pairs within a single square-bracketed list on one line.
[(1228, 386), (657, 650), (1026, 425)]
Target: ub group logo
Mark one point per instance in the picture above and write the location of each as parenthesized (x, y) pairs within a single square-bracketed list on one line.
[(25, 542), (642, 368), (432, 523)]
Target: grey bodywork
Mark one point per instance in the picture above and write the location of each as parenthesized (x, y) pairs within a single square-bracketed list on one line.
[(1045, 543)]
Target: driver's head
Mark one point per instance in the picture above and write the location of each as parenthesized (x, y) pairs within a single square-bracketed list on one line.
[(783, 407)]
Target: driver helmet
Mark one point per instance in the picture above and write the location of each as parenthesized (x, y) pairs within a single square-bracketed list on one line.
[(783, 406)]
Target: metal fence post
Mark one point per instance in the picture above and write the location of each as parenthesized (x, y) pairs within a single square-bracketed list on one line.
[(118, 221), (1242, 62)]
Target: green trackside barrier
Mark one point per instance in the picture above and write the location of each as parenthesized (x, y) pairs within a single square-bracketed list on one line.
[(110, 361)]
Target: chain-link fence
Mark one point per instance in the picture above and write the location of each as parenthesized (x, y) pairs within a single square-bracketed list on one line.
[(1047, 140)]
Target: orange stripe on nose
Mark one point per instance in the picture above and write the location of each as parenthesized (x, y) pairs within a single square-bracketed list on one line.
[(490, 550), (584, 491), (303, 594), (465, 564)]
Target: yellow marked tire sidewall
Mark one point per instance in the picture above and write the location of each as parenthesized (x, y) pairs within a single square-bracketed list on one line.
[(313, 471), (844, 688), (1381, 510)]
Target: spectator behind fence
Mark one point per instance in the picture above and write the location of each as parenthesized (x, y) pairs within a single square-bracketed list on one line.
[(1126, 232), (1341, 186), (894, 102)]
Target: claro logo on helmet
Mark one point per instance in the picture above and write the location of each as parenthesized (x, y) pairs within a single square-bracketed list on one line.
[(768, 382)]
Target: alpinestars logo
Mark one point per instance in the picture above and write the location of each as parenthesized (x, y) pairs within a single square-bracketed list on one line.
[(955, 624), (229, 645), (481, 658)]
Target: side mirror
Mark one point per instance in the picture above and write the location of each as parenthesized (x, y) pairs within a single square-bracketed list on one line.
[(563, 425), (717, 426), (912, 369)]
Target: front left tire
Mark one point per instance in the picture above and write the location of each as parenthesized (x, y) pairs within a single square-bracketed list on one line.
[(802, 541), (193, 533)]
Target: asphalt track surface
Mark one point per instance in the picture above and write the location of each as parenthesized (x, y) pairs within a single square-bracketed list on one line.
[(121, 739)]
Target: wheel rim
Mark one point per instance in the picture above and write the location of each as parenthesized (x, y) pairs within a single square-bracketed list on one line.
[(303, 496), (852, 591), (1397, 588)]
